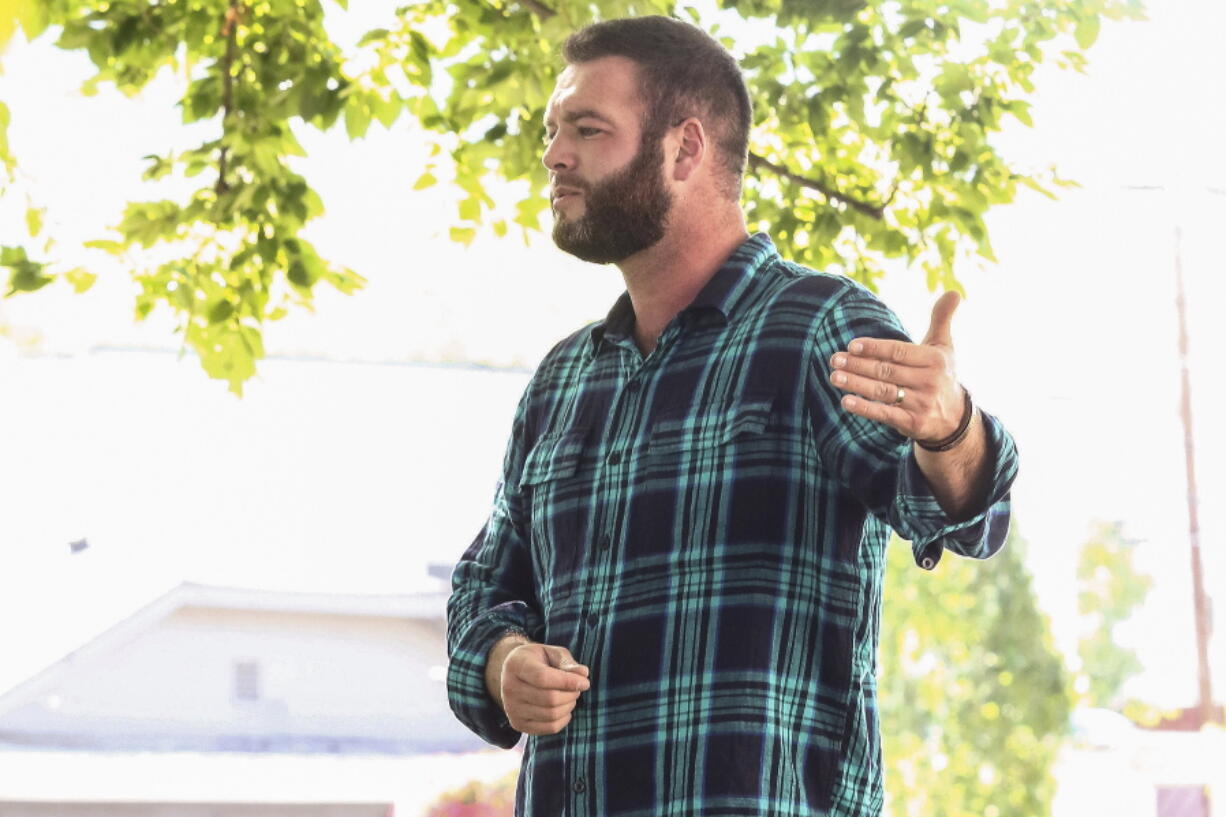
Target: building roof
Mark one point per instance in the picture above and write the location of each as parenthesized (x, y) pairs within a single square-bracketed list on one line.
[(429, 606)]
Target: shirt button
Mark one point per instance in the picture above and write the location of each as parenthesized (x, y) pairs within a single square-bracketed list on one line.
[(928, 563), (615, 458), (605, 542), (589, 618), (579, 786)]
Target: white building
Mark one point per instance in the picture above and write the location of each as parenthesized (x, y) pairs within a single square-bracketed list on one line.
[(215, 700)]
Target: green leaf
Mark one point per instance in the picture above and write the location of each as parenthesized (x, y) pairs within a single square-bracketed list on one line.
[(297, 274), (12, 256), (220, 311), (372, 35), (1021, 111), (80, 279), (33, 17), (388, 110), (425, 180), (106, 245), (357, 118), (470, 209), (27, 276), (911, 28), (463, 235), (267, 248), (420, 46), (1086, 31), (34, 220)]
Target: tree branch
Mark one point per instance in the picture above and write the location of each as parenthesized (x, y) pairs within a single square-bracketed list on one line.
[(229, 30), (876, 211), (539, 9)]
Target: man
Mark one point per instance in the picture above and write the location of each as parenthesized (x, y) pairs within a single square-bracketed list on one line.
[(676, 596)]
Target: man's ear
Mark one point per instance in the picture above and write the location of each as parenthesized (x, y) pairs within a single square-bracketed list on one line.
[(690, 149)]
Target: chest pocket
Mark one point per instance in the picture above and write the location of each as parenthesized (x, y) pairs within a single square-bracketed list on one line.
[(708, 476), (558, 503), (677, 433)]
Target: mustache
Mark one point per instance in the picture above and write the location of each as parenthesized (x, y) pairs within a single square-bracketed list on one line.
[(570, 181)]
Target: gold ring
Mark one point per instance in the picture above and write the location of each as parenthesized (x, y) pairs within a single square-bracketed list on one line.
[(899, 398)]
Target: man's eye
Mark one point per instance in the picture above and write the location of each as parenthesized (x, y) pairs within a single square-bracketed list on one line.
[(588, 132)]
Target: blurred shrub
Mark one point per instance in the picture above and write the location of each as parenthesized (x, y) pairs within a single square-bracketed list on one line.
[(478, 799)]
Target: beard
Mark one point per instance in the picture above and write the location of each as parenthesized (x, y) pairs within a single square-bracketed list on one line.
[(623, 213)]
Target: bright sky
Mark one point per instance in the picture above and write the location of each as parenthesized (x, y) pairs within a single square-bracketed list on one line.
[(341, 475)]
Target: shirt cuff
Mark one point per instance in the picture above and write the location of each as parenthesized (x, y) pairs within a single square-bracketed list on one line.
[(466, 691), (921, 519)]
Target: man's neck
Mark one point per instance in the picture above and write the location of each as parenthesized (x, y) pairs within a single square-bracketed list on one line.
[(665, 279)]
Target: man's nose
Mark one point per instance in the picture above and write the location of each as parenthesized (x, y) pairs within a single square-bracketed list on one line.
[(557, 156)]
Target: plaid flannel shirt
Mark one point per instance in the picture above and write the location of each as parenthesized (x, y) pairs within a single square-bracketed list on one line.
[(704, 527)]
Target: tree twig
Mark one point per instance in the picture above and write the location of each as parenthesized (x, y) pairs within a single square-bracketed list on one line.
[(229, 30), (539, 9), (876, 211)]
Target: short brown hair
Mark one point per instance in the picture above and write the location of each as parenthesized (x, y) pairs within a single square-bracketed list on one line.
[(683, 72)]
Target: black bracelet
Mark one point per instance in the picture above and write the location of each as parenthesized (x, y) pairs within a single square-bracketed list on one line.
[(968, 412)]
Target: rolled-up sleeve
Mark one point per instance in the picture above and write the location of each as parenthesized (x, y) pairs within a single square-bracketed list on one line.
[(492, 594), (876, 463)]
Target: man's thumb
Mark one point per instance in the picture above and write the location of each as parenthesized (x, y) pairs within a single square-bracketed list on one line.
[(560, 658), (942, 317)]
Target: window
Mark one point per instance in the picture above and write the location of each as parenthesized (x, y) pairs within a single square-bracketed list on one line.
[(246, 681)]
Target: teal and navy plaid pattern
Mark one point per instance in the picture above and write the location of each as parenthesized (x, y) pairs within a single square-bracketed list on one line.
[(704, 528)]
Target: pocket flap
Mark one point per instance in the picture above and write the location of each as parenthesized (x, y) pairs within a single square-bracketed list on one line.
[(554, 456), (750, 415)]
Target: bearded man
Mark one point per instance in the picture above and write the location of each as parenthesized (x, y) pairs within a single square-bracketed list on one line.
[(677, 593)]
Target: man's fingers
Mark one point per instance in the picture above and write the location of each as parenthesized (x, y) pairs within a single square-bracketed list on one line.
[(884, 371), (893, 416), (545, 698), (542, 689), (883, 392), (542, 676), (542, 714), (895, 352), (578, 669), (560, 657), (942, 319), (538, 727)]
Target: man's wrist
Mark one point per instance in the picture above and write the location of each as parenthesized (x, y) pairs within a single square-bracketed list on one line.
[(959, 433), (496, 657)]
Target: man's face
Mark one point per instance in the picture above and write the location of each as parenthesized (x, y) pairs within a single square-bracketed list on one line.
[(607, 185)]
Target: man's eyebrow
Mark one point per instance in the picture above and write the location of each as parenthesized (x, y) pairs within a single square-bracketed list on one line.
[(583, 113)]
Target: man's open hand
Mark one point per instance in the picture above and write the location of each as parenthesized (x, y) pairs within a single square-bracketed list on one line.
[(922, 374), (540, 685)]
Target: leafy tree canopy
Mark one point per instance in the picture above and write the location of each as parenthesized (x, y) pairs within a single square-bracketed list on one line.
[(974, 696), (872, 140), (1110, 590)]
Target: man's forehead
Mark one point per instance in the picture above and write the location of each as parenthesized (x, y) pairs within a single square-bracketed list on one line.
[(608, 85)]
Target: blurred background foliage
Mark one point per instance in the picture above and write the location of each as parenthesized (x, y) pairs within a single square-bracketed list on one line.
[(975, 699), (476, 799), (873, 139)]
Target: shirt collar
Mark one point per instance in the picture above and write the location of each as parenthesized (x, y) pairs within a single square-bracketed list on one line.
[(719, 297)]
